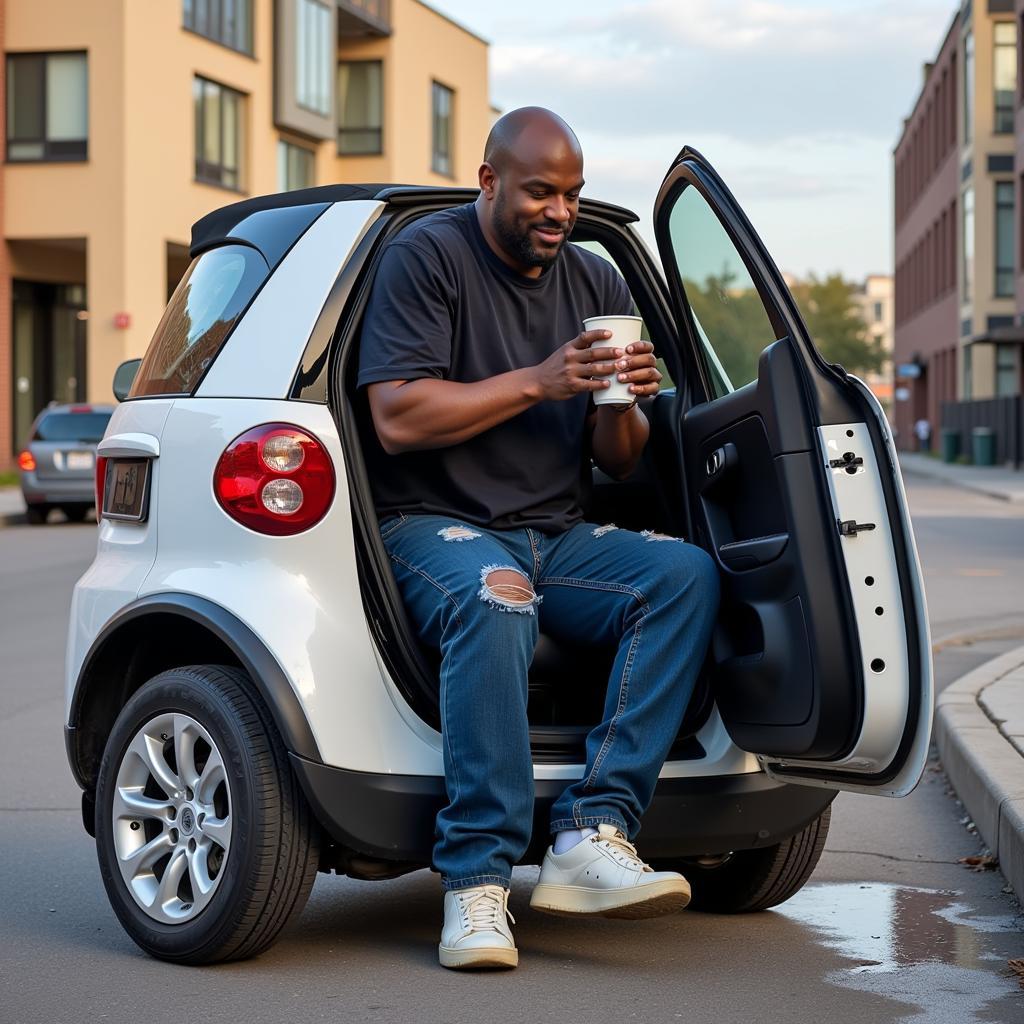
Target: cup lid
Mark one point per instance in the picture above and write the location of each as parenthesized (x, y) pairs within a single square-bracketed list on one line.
[(613, 316)]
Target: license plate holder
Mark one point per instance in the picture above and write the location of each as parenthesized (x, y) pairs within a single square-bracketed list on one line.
[(79, 460), (126, 491)]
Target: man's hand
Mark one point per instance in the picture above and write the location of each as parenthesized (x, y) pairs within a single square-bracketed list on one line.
[(637, 368), (567, 371)]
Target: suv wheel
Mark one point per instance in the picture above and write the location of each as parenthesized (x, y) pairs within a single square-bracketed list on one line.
[(206, 843), (752, 880), (37, 514)]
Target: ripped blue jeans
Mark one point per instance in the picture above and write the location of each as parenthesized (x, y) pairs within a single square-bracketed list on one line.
[(654, 596)]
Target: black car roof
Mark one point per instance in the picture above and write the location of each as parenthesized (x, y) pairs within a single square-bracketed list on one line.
[(273, 222)]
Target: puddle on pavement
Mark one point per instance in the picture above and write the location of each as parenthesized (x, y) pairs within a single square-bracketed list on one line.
[(917, 946)]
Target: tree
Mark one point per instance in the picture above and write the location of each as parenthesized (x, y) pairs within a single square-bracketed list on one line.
[(835, 323)]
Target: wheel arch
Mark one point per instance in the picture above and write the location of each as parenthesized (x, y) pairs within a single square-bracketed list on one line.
[(166, 631)]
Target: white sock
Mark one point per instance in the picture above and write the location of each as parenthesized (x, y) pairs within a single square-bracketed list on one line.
[(571, 837)]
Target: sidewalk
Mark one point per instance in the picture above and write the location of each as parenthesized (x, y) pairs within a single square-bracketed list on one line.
[(979, 730), (995, 481), (12, 505)]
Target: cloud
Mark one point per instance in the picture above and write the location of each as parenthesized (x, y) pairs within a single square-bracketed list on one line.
[(797, 103), (752, 69)]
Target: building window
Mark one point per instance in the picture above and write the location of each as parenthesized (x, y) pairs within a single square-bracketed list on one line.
[(224, 21), (1006, 370), (360, 107), (1004, 239), (219, 133), (968, 87), (442, 101), (968, 379), (313, 56), (878, 312), (295, 166), (967, 245), (47, 106), (1004, 74)]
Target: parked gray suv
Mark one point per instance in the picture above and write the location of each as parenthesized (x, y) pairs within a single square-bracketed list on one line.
[(57, 465)]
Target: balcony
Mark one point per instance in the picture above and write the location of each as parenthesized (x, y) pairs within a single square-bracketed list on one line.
[(363, 18)]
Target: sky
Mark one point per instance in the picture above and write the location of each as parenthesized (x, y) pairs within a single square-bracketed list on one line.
[(797, 104)]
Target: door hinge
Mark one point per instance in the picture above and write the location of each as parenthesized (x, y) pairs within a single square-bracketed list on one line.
[(850, 527), (847, 462)]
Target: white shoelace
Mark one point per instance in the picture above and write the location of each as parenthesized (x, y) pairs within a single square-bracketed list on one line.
[(487, 908), (623, 851)]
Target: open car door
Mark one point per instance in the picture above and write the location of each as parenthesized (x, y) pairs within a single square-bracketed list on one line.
[(821, 656)]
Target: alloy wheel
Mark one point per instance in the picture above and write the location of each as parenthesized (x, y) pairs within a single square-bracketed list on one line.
[(171, 818)]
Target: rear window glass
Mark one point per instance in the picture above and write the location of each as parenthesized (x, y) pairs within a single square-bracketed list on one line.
[(72, 426), (204, 308)]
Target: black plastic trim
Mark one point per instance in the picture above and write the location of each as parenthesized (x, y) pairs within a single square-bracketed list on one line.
[(392, 817), (267, 675)]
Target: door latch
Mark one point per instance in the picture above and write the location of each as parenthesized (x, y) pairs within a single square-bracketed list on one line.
[(850, 527), (847, 462)]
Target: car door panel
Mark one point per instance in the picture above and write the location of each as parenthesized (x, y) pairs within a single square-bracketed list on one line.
[(817, 657)]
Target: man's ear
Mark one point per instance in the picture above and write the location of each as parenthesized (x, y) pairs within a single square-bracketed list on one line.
[(488, 180)]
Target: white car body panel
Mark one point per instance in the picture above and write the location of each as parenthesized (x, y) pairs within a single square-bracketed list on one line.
[(883, 637), (125, 552), (262, 353)]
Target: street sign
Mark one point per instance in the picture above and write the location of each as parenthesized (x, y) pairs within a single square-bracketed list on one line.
[(901, 394), (909, 370)]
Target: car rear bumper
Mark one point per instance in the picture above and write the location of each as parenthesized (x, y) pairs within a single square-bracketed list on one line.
[(391, 817), (46, 491)]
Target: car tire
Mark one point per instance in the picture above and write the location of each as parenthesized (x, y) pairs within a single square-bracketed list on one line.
[(748, 881), (37, 514), (237, 854), (75, 513)]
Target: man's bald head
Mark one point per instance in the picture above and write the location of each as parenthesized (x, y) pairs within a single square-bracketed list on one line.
[(527, 135), (530, 184)]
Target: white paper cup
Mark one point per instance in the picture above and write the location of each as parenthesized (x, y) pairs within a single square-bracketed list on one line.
[(625, 330)]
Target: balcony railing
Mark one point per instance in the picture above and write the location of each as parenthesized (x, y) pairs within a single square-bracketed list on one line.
[(364, 17)]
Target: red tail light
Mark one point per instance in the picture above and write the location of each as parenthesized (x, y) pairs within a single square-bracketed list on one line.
[(101, 480), (27, 461), (275, 479)]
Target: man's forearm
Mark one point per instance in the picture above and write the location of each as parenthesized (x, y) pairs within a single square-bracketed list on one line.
[(430, 413), (619, 439)]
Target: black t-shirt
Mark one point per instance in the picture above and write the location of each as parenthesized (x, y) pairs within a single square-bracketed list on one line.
[(445, 305)]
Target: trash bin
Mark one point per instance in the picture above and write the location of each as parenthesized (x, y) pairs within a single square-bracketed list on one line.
[(950, 444), (983, 446)]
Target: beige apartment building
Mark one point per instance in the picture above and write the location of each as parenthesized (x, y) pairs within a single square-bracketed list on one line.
[(874, 301), (127, 120), (958, 253)]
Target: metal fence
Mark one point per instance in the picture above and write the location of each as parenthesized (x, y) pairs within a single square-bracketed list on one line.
[(1003, 416)]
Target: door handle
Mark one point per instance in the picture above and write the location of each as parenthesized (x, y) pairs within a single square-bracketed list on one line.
[(720, 461)]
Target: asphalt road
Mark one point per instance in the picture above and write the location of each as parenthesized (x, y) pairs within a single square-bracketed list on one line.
[(891, 927)]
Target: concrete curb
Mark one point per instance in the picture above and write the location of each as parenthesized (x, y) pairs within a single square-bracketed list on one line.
[(985, 767)]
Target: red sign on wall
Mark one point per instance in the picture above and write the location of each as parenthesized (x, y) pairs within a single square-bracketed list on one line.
[(122, 320)]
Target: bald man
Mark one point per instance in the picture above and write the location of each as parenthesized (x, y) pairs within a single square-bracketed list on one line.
[(478, 378)]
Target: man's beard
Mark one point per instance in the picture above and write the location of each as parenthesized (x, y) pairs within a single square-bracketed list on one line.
[(517, 243)]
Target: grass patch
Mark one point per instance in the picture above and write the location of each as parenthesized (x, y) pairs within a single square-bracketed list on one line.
[(9, 479)]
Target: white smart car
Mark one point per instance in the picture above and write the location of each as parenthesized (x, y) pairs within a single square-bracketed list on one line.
[(246, 701)]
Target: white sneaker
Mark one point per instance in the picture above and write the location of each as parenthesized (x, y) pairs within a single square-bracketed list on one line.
[(475, 931), (603, 874)]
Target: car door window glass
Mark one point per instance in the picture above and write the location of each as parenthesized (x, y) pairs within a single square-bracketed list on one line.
[(731, 320)]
